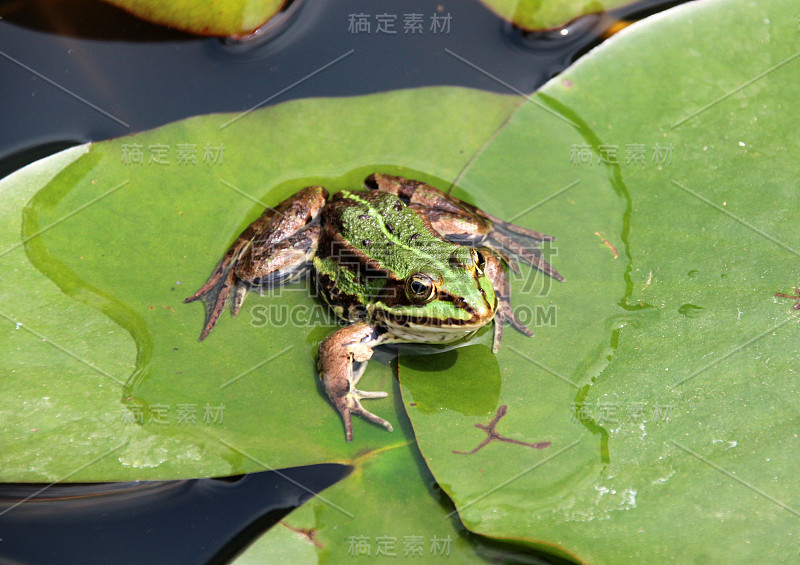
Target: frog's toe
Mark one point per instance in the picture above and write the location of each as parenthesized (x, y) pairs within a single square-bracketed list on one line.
[(238, 298), (350, 404), (366, 394), (498, 334), (358, 410), (505, 313), (512, 319)]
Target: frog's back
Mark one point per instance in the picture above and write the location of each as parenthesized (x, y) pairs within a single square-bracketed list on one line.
[(370, 242)]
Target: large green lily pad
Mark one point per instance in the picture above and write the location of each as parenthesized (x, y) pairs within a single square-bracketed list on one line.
[(667, 387), (130, 240)]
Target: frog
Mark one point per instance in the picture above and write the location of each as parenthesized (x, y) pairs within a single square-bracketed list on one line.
[(398, 261)]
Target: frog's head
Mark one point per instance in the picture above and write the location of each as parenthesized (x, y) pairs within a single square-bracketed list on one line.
[(438, 299)]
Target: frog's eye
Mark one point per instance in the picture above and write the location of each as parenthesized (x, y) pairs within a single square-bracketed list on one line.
[(420, 288), (479, 260)]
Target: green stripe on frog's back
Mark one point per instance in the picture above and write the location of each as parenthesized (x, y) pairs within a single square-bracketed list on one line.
[(381, 227)]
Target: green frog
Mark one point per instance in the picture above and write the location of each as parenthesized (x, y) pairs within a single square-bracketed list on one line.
[(399, 262)]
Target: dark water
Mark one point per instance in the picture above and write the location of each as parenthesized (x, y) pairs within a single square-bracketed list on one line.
[(76, 71), (193, 521)]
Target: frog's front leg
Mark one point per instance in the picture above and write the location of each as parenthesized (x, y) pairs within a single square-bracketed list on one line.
[(343, 357), (502, 290)]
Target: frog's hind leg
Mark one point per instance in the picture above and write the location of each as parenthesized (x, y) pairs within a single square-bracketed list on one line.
[(234, 252), (288, 230), (273, 266), (216, 289), (521, 244), (260, 267), (476, 228), (214, 299), (343, 357)]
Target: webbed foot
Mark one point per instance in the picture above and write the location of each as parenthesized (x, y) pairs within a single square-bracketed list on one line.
[(350, 404), (343, 357)]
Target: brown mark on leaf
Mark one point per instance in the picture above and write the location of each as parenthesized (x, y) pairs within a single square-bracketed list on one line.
[(795, 296), (491, 435), (607, 243), (310, 535)]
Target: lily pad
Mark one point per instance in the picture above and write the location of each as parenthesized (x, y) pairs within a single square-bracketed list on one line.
[(396, 514), (537, 15), (220, 17), (102, 243), (667, 388)]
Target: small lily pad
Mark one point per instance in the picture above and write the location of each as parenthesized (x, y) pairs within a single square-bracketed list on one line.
[(219, 17), (536, 15)]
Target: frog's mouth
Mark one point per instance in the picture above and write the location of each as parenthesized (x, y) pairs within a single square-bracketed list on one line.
[(429, 328)]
